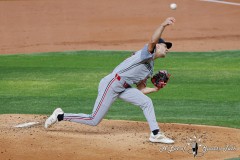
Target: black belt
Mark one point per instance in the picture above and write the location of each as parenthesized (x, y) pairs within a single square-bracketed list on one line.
[(125, 85)]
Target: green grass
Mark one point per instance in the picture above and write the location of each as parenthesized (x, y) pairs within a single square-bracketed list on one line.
[(204, 87)]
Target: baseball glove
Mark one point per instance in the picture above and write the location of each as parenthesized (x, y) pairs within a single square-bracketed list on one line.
[(160, 79)]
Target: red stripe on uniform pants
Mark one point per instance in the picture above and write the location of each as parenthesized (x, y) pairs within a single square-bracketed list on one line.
[(99, 105)]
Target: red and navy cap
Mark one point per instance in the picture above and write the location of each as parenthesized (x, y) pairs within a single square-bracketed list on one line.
[(168, 44)]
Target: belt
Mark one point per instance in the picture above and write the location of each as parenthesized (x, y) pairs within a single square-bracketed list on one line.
[(125, 85)]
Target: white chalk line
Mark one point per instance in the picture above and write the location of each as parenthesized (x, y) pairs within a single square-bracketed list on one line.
[(28, 124), (223, 2)]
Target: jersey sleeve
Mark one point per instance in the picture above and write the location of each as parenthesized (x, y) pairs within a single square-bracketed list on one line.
[(145, 54)]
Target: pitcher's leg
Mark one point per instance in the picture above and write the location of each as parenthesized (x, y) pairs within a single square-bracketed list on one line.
[(106, 97), (136, 97)]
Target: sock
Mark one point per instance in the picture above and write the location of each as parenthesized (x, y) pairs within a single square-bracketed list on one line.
[(155, 132), (60, 117)]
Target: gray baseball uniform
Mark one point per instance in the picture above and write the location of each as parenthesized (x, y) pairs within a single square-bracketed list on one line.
[(133, 70)]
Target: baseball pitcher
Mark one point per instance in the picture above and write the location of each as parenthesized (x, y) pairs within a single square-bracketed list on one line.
[(135, 70)]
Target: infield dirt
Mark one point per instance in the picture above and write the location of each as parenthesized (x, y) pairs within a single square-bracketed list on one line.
[(43, 26), (112, 139)]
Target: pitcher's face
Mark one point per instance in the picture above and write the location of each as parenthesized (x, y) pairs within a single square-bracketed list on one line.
[(161, 50)]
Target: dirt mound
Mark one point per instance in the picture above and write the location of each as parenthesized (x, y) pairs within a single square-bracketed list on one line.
[(112, 139)]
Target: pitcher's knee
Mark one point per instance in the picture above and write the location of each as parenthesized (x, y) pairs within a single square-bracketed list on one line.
[(147, 102), (95, 122)]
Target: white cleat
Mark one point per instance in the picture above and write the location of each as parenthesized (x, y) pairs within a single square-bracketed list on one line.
[(160, 138), (53, 118)]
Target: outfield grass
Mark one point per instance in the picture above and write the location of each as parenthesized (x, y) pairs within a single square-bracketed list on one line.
[(204, 87)]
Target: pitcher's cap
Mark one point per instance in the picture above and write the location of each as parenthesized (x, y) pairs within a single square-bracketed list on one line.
[(168, 44)]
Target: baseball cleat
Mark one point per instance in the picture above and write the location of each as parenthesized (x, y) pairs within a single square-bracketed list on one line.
[(161, 138), (54, 117)]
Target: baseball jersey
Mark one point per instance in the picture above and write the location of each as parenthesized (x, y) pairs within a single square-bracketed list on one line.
[(136, 68)]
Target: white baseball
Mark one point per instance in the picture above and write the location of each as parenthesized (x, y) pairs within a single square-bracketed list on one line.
[(173, 6)]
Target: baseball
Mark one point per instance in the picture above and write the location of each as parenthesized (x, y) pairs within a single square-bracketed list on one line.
[(173, 6)]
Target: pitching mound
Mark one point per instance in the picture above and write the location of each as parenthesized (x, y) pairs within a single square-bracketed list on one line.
[(111, 140)]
